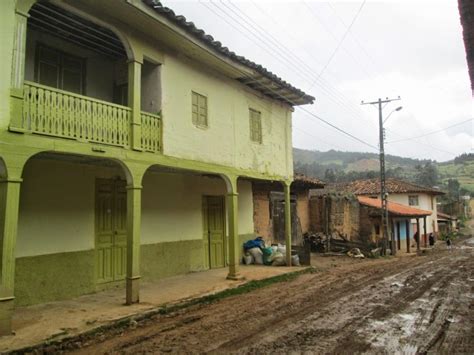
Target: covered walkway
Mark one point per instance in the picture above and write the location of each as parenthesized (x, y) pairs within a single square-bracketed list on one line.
[(51, 321)]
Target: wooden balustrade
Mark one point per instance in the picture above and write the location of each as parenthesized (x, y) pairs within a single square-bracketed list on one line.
[(151, 132), (64, 114)]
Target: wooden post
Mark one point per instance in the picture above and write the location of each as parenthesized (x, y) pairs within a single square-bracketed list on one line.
[(134, 102), (9, 207), (18, 72), (399, 240), (134, 204), (425, 235), (407, 227), (233, 222), (419, 235), (286, 187)]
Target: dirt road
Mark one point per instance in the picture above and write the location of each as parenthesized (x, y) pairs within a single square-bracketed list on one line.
[(412, 305)]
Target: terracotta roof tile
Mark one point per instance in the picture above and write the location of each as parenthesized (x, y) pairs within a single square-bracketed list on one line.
[(393, 207), (372, 187), (306, 181), (298, 96)]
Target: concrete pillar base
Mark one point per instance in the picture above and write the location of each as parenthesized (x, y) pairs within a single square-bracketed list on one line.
[(133, 288), (235, 277), (6, 313)]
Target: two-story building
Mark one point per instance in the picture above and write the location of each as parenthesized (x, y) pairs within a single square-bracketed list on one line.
[(129, 140)]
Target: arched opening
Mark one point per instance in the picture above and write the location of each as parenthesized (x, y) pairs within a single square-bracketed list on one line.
[(185, 224), (71, 229), (67, 52)]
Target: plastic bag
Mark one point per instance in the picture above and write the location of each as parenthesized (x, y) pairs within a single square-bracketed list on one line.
[(267, 255), (295, 260), (257, 255)]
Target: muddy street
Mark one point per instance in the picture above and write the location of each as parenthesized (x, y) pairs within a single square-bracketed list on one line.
[(405, 304)]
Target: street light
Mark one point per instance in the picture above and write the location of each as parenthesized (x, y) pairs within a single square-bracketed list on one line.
[(397, 109)]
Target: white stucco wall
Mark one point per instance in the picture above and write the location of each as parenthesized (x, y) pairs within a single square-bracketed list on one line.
[(226, 140), (425, 202), (57, 206)]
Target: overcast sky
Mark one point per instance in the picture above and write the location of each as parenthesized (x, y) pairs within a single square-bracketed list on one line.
[(412, 49)]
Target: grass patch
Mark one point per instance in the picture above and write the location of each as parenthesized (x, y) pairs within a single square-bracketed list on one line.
[(70, 342), (239, 290)]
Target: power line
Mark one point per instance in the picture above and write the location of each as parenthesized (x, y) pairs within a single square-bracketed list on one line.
[(337, 128), (430, 133), (293, 103), (305, 72), (342, 102), (340, 41), (356, 41), (335, 38)]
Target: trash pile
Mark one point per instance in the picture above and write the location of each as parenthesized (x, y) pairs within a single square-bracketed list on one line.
[(255, 252)]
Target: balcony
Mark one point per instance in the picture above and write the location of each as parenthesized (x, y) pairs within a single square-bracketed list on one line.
[(58, 113)]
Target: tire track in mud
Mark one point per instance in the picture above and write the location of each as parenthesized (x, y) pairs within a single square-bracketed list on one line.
[(333, 311)]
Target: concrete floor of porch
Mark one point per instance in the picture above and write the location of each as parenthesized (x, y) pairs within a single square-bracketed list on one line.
[(51, 321)]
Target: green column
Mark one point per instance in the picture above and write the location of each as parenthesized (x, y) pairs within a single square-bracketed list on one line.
[(233, 223), (9, 206), (134, 210), (18, 71), (286, 186), (234, 245), (134, 102)]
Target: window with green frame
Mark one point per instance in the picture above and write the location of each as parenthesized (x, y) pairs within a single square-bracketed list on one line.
[(199, 103), (60, 70), (255, 125)]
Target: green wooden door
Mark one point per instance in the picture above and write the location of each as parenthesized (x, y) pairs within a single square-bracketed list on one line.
[(215, 230), (111, 230)]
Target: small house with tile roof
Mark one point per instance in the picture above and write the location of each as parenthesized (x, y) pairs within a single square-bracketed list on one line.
[(399, 191)]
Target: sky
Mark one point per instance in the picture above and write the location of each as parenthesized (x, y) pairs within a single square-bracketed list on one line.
[(343, 53)]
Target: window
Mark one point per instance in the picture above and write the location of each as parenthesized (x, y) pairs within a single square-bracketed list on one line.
[(255, 126), (60, 70), (199, 109), (413, 200)]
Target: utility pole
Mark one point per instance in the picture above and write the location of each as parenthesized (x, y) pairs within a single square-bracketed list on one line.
[(383, 191)]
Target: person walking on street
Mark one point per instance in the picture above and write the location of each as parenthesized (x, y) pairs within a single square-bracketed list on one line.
[(431, 239), (448, 242)]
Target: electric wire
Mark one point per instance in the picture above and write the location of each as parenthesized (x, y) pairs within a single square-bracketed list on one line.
[(433, 132)]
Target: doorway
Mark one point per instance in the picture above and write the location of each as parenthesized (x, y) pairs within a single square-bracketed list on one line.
[(214, 231), (111, 230)]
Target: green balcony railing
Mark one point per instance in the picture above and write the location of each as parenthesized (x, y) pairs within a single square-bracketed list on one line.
[(64, 114), (151, 132)]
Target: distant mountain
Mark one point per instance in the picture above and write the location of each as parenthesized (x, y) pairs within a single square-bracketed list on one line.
[(347, 166)]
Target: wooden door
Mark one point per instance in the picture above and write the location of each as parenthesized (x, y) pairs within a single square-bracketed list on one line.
[(277, 208), (214, 225), (111, 230)]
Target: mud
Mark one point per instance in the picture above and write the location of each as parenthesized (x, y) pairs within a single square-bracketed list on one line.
[(407, 305)]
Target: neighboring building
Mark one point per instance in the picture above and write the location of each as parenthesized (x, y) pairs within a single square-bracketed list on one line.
[(129, 140), (399, 218), (447, 223), (335, 213), (399, 191), (359, 218), (466, 12), (269, 207)]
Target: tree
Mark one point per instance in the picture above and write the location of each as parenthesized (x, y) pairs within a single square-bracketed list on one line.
[(329, 175), (427, 175)]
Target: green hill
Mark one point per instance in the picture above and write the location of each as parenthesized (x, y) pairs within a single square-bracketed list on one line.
[(346, 166)]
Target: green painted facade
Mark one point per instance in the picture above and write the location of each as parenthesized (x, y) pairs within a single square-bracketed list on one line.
[(87, 131)]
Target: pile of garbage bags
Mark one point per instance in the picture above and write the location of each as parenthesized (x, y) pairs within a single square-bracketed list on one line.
[(255, 252)]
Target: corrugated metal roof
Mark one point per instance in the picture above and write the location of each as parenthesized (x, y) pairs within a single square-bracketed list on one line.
[(393, 207), (277, 88)]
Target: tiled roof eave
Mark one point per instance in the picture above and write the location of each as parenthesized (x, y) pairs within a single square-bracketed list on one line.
[(283, 91)]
